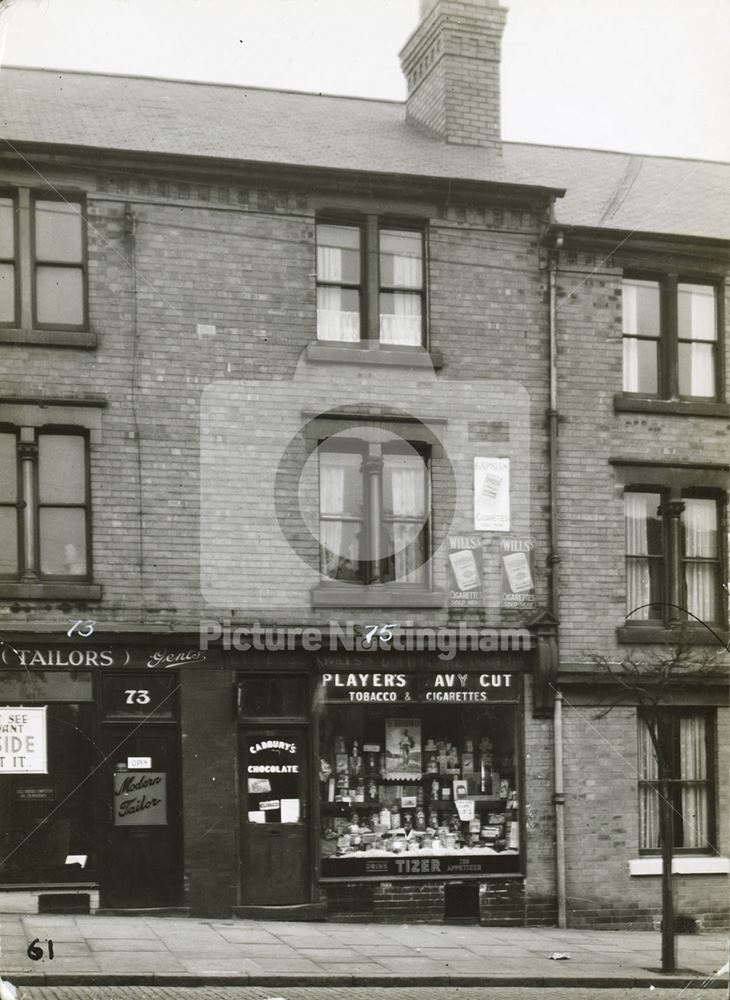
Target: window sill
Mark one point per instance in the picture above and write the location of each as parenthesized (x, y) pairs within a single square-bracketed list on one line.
[(48, 338), (641, 635), (372, 353), (681, 865), (375, 596), (50, 591), (623, 403)]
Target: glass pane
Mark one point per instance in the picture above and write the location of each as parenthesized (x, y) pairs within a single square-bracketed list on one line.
[(8, 541), (61, 468), (644, 530), (338, 314), (696, 369), (400, 318), (62, 541), (8, 469), (340, 543), (272, 696), (338, 254), (60, 295), (7, 228), (58, 231), (405, 553), (640, 301), (700, 580), (7, 293), (696, 317), (641, 363), (401, 259), (340, 483), (699, 523), (404, 486)]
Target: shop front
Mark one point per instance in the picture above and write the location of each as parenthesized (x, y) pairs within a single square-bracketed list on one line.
[(90, 786)]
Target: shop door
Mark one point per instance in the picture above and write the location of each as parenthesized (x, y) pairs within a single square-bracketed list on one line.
[(274, 840), (142, 823)]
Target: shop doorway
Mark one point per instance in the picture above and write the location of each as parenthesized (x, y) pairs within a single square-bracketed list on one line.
[(274, 768), (141, 818)]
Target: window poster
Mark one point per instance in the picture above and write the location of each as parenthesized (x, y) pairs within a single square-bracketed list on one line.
[(517, 561), (491, 494), (465, 571), (140, 798), (403, 752), (23, 741)]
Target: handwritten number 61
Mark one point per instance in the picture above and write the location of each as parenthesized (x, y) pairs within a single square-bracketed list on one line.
[(35, 953)]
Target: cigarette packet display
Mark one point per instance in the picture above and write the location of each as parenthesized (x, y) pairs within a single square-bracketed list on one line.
[(518, 572)]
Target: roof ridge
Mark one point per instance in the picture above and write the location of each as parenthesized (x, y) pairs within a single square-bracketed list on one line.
[(51, 70)]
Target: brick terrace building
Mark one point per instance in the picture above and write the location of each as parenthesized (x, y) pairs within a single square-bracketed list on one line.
[(315, 365)]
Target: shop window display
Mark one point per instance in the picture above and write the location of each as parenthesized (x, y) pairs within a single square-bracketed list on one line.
[(430, 791)]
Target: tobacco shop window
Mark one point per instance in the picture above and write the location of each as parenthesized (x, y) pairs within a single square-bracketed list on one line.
[(374, 501), (43, 279), (670, 338), (370, 283), (46, 819), (665, 532), (417, 778), (686, 737), (44, 506)]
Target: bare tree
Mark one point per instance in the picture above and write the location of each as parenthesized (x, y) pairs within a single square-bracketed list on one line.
[(651, 681)]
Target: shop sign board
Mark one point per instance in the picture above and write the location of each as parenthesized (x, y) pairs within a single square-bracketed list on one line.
[(140, 798), (87, 657), (446, 687), (465, 571), (517, 562), (491, 494), (23, 743), (408, 864)]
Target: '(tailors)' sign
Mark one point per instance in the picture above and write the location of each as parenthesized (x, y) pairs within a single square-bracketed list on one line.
[(86, 657)]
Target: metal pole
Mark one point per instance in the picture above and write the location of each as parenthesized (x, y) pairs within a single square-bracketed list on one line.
[(559, 800)]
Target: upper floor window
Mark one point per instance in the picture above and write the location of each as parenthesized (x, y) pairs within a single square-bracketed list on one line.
[(374, 512), (670, 338), (370, 283), (673, 556), (42, 268), (44, 506), (685, 736)]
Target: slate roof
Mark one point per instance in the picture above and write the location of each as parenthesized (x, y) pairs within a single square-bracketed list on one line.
[(616, 190)]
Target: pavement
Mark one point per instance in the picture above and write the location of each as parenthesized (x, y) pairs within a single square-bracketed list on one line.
[(178, 951)]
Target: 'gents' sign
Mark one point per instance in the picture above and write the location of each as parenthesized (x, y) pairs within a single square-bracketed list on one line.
[(23, 741), (87, 656)]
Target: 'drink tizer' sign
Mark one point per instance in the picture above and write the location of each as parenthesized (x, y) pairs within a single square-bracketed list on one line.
[(23, 741)]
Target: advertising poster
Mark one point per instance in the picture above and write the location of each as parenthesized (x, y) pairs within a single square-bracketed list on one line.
[(491, 494), (465, 571), (23, 741), (517, 561), (403, 755)]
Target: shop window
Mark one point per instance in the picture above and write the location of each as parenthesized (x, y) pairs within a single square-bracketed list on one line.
[(47, 820), (273, 697), (374, 512), (43, 289), (370, 283), (673, 556), (417, 780), (687, 738), (670, 338), (44, 510)]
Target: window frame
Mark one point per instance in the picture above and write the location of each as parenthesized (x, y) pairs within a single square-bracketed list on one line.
[(370, 287), (670, 716), (68, 198), (668, 339), (366, 577), (59, 430), (12, 195), (677, 560)]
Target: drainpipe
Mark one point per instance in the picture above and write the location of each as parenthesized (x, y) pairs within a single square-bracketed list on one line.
[(558, 796)]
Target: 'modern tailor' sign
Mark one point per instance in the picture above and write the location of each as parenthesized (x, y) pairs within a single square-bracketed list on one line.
[(23, 741), (140, 798)]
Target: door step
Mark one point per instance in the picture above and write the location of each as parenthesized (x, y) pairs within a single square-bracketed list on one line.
[(148, 911), (296, 911)]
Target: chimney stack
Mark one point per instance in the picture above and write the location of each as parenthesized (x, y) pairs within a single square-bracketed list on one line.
[(451, 63)]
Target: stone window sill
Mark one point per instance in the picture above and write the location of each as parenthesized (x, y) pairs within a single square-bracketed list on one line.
[(642, 635), (375, 596), (56, 591), (48, 338), (372, 353), (701, 864), (623, 403)]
